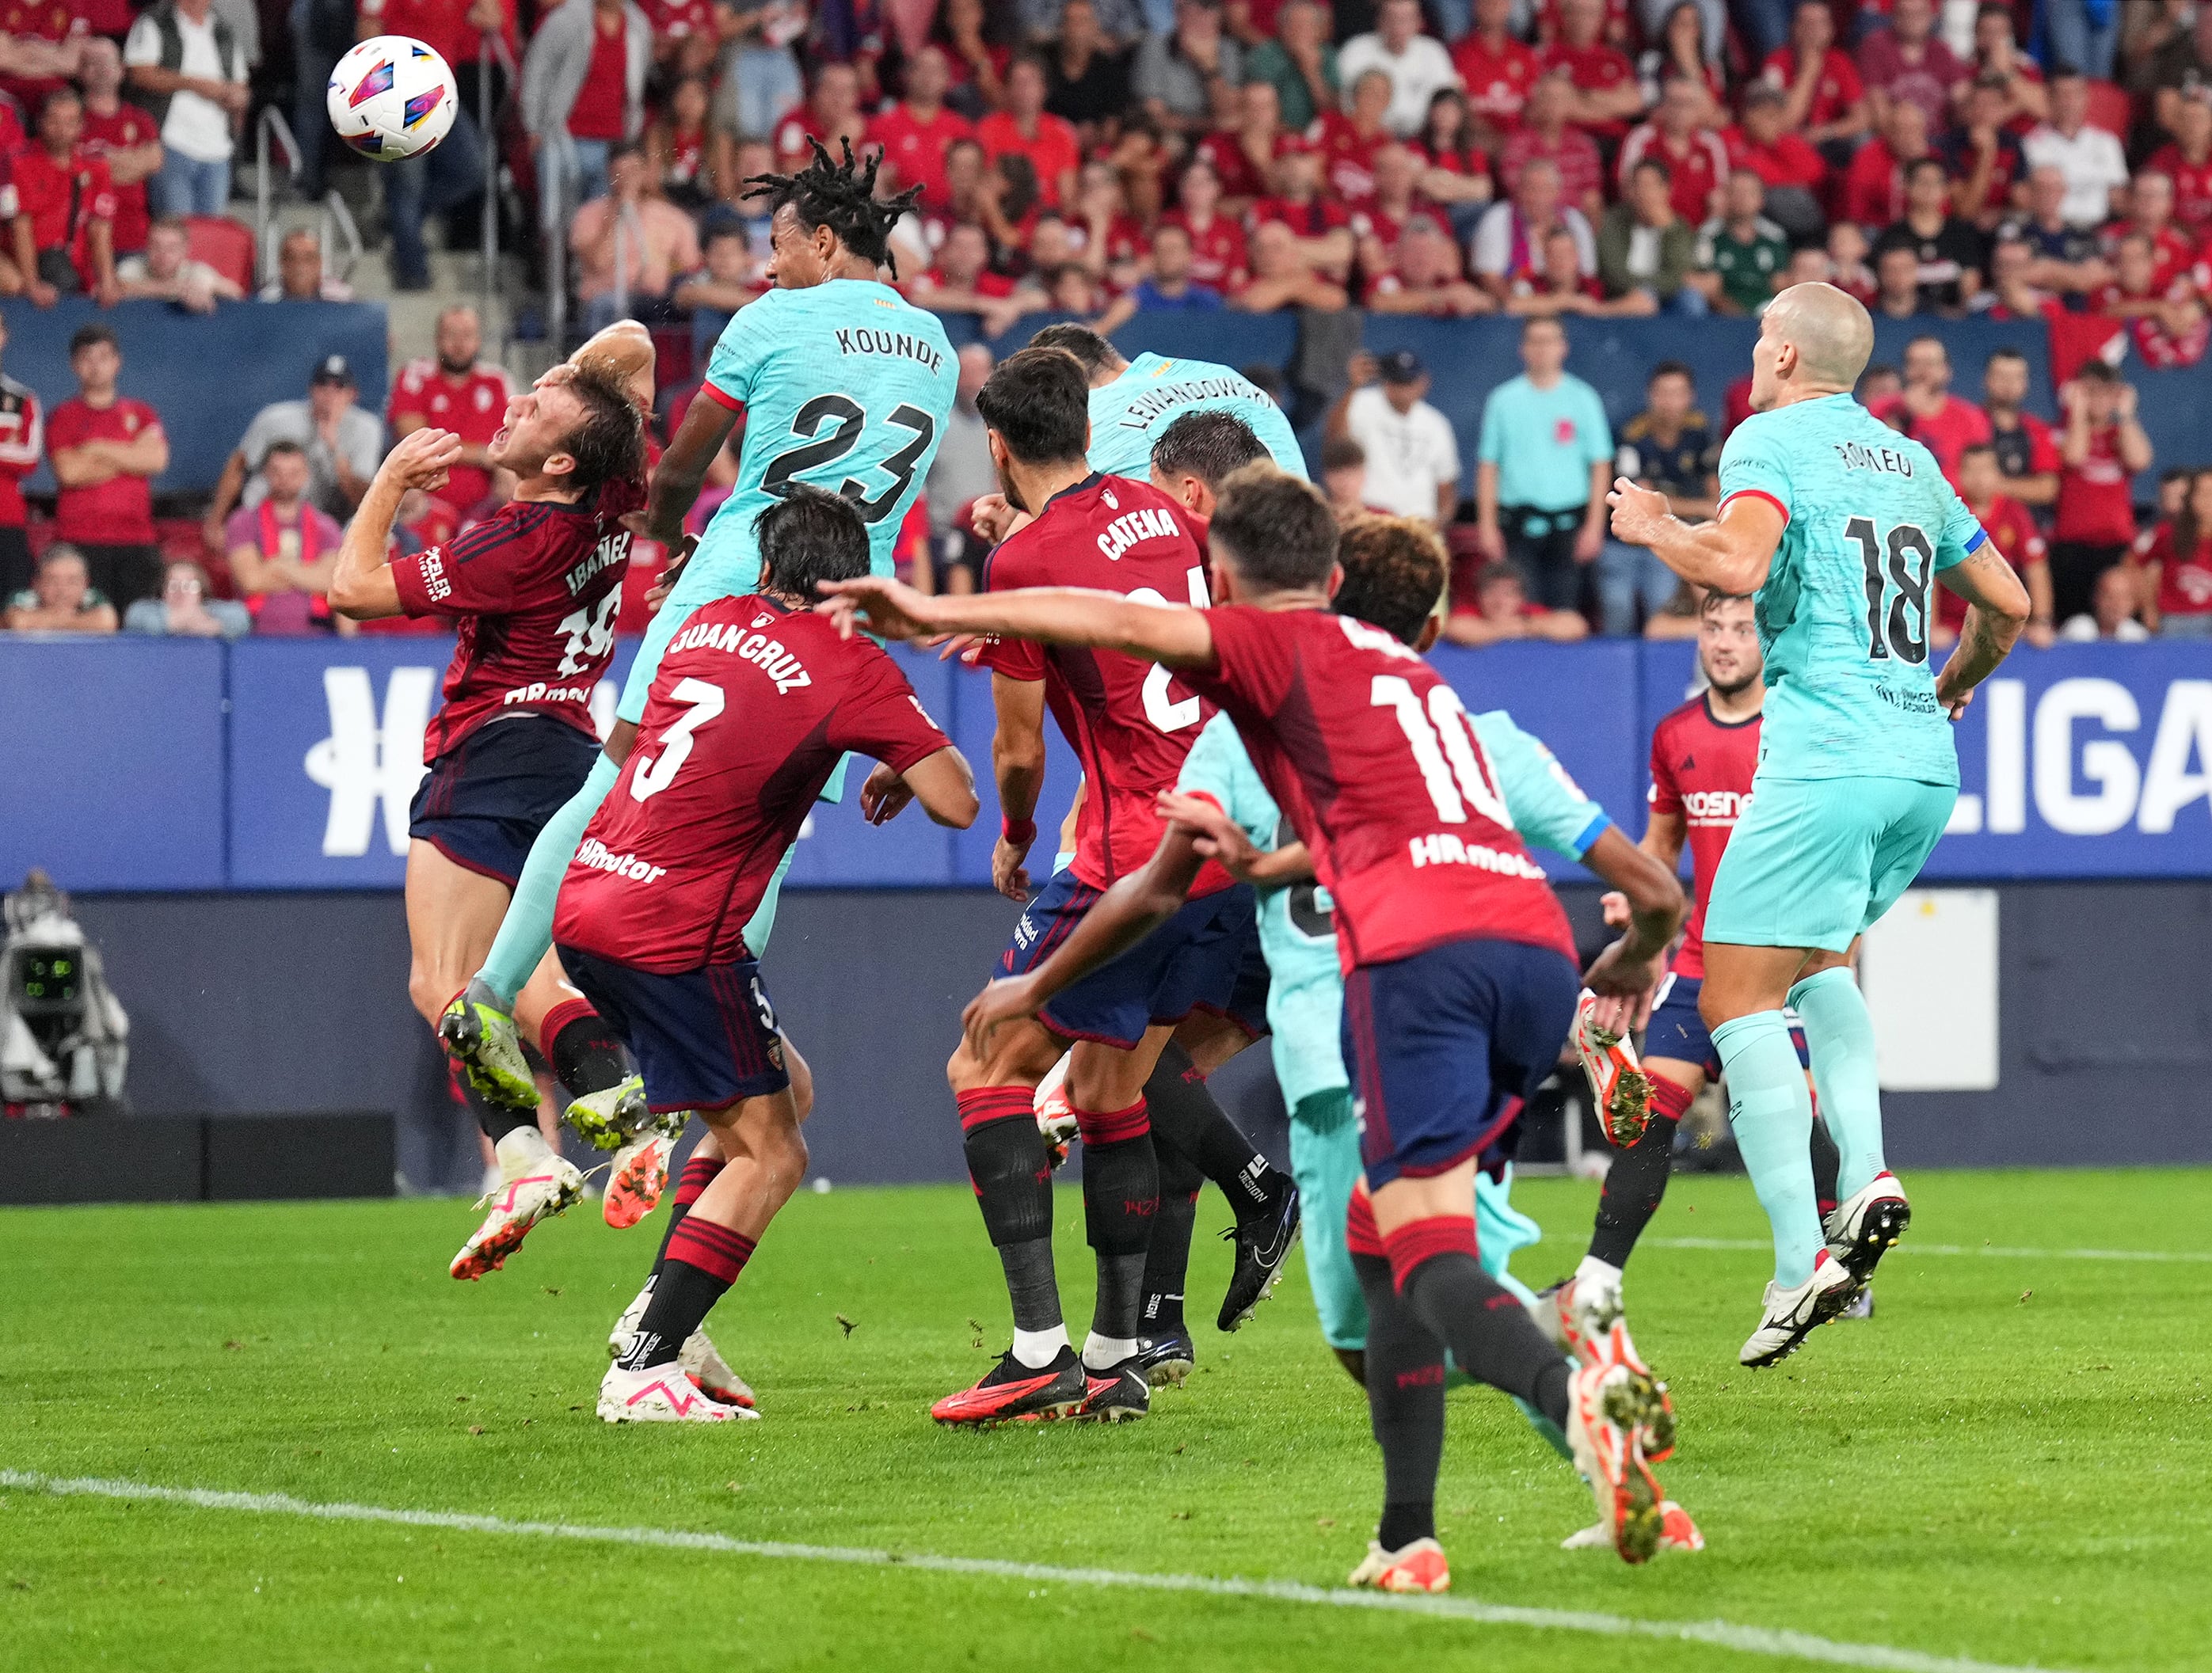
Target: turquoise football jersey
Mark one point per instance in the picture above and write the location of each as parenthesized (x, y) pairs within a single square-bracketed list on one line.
[(1844, 614), (1127, 415), (1298, 934), (846, 386)]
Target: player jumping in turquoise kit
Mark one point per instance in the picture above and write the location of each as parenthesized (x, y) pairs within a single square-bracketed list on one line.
[(845, 386), (1839, 525)]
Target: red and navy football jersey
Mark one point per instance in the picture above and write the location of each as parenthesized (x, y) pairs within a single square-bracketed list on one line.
[(1130, 722), (1701, 769), (535, 588), (751, 709), (1379, 770)]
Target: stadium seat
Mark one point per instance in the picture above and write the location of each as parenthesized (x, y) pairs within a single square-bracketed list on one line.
[(2109, 108), (224, 244)]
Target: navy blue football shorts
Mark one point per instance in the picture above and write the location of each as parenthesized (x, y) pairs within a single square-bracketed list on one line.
[(703, 1039), (1444, 1047), (1193, 961), (1676, 1031), (484, 802)]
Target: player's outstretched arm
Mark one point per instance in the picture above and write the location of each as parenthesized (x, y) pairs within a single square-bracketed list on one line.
[(623, 352), (1222, 839), (1997, 610), (1629, 968), (1173, 634), (1662, 840), (361, 585), (1730, 553), (1128, 912), (945, 786)]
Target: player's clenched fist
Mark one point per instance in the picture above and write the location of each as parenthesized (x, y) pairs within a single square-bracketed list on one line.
[(422, 458), (1638, 513)]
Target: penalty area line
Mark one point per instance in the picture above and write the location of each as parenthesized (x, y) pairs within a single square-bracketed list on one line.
[(1720, 1634)]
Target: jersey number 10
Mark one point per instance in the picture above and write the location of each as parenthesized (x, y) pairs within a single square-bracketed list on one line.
[(1902, 630)]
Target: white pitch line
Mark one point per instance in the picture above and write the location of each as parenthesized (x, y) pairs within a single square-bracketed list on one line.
[(1722, 1634), (1909, 1249)]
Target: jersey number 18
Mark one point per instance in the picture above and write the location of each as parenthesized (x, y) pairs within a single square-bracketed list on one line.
[(1904, 562)]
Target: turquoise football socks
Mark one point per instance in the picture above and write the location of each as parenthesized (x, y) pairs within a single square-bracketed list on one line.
[(1770, 1108)]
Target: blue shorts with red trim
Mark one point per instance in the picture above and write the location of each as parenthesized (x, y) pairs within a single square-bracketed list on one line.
[(1193, 961), (1444, 1047), (484, 802), (1676, 1030), (1248, 1000), (703, 1039)]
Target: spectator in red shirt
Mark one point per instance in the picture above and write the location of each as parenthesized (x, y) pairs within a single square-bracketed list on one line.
[(583, 94), (1216, 241), (122, 136), (1241, 157), (832, 113), (2187, 161), (2027, 457), (1281, 280), (2134, 292), (1827, 101), (2150, 212), (1422, 275), (1988, 170), (1026, 129), (44, 42), (685, 37), (1501, 609), (65, 211), (1561, 285), (1607, 97), (22, 442), (1696, 157), (1113, 245), (1925, 409), (2011, 529), (692, 155), (2102, 451), (916, 132), (1792, 171), (455, 390), (283, 552), (1455, 170), (1997, 58), (1498, 71), (1906, 64), (962, 283), (1379, 217), (1348, 139), (2177, 567), (106, 449), (1545, 135), (1847, 248), (1873, 185), (1320, 226)]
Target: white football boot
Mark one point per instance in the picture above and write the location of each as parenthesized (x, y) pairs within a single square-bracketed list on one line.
[(1866, 1224), (1790, 1315), (1419, 1566), (1677, 1532), (536, 1183), (661, 1395), (1617, 1079), (1610, 1409), (700, 1360)]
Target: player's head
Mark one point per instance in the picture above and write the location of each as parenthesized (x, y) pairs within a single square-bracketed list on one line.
[(1195, 454), (1813, 340), (569, 434), (1036, 414), (1393, 576), (826, 215), (1102, 361), (808, 537), (1728, 643), (1270, 533)]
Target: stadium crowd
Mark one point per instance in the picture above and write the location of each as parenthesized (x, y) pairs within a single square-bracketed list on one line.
[(2047, 159)]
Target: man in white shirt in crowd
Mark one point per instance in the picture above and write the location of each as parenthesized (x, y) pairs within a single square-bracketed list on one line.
[(1418, 65), (2095, 167), (1413, 457), (190, 70)]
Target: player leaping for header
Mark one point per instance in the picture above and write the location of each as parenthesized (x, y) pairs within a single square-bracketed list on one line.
[(1460, 982), (1837, 525)]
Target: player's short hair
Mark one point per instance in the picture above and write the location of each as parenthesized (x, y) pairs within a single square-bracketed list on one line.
[(1038, 400), (1207, 445), (841, 197), (608, 443), (1715, 597), (810, 536), (1080, 341), (1394, 573), (1277, 529)]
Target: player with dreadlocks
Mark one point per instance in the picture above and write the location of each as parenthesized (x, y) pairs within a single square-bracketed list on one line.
[(844, 387)]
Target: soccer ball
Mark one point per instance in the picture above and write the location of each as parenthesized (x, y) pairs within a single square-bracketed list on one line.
[(392, 97)]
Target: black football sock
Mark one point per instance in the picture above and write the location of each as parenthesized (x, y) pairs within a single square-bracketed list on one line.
[(1167, 1260), (1012, 1177), (495, 1121), (587, 1054), (1405, 1405), (1827, 1161), (1120, 1194), (704, 1260), (1490, 1333), (1184, 1108), (1637, 1179), (698, 1174)]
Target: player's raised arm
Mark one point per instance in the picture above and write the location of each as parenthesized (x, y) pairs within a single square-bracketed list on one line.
[(1175, 635), (1997, 610), (623, 353), (1731, 553), (682, 471), (363, 587)]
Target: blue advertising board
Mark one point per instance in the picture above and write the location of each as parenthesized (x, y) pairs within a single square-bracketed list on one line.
[(276, 764)]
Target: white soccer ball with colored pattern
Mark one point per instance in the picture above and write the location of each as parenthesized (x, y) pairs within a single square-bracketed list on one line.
[(392, 98)]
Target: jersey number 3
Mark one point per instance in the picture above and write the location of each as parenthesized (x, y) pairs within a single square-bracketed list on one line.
[(851, 420), (701, 701), (1901, 630)]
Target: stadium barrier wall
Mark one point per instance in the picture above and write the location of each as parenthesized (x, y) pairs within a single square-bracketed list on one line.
[(156, 764)]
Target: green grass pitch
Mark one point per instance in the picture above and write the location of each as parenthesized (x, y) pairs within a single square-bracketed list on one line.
[(2009, 1465)]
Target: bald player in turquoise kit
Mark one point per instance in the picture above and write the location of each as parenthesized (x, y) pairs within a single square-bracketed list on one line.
[(1836, 526)]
